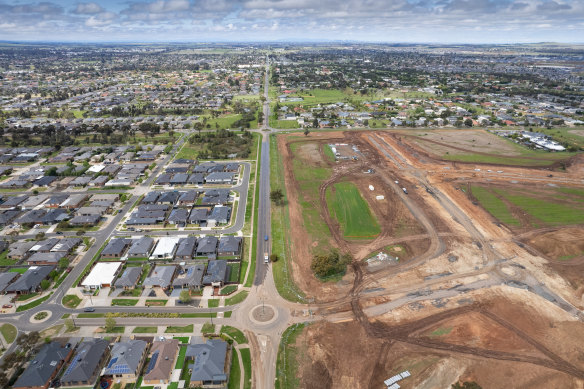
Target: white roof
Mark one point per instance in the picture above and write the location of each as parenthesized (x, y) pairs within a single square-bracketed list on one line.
[(101, 274), (165, 246), (96, 168)]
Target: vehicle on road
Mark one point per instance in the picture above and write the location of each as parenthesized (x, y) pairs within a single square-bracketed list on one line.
[(89, 309), (266, 258), (405, 190), (266, 238)]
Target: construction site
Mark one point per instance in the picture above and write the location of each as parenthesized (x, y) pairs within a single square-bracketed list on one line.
[(467, 259)]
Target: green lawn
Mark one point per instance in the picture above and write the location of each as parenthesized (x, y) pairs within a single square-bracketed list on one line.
[(228, 289), (346, 204), (156, 303), (33, 304), (179, 329), (236, 299), (5, 261), (286, 124), (234, 333), (494, 205), (197, 314), (234, 373), (213, 303), (208, 328), (280, 226), (26, 296), (551, 213), (181, 358), (117, 330), (287, 362), (234, 271), (71, 301), (183, 339), (90, 315), (246, 359), (145, 330), (124, 302), (8, 332), (20, 270)]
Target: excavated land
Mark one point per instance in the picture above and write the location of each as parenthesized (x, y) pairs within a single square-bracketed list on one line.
[(475, 295)]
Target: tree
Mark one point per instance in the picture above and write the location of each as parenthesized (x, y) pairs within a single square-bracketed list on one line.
[(276, 196), (274, 258), (185, 296), (39, 236), (306, 132), (45, 284), (63, 262), (70, 325), (468, 122), (110, 324), (328, 264)]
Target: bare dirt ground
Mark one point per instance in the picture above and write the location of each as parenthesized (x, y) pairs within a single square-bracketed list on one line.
[(472, 323), (475, 140)]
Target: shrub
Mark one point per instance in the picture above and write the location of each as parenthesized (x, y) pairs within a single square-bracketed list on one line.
[(328, 264)]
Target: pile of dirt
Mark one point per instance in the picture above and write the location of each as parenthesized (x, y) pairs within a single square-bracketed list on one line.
[(563, 244)]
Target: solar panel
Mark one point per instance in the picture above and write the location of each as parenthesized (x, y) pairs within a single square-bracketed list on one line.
[(152, 362), (112, 362)]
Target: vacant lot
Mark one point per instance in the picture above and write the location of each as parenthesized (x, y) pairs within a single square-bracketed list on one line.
[(351, 211)]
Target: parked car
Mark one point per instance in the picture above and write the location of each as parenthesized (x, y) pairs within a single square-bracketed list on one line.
[(89, 309), (7, 306)]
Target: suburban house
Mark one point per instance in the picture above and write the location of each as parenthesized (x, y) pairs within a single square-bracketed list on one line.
[(44, 367), (127, 359), (191, 277), (212, 363), (229, 246), (129, 278), (165, 248), (19, 250), (179, 217), (141, 248), (30, 280), (163, 354), (199, 216), (86, 364), (187, 198), (116, 248), (216, 273), (85, 221), (219, 215), (186, 249), (161, 277), (102, 275), (43, 258), (220, 178), (207, 246), (6, 279)]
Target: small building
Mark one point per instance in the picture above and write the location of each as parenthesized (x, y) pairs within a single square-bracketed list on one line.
[(163, 354), (207, 246), (6, 279), (161, 277), (85, 221), (165, 248), (191, 278), (102, 275), (223, 178), (20, 250), (30, 280), (187, 198), (66, 245), (216, 273), (86, 364), (186, 248), (42, 258), (127, 359), (90, 211), (219, 215), (199, 216), (229, 246), (44, 367), (141, 248), (179, 217), (129, 278), (116, 248), (212, 364)]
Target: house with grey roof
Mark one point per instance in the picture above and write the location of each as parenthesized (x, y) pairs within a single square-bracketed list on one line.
[(217, 273), (30, 280), (207, 245), (66, 245), (220, 178), (219, 215), (141, 248), (186, 249), (196, 179), (179, 217), (187, 198), (116, 248), (44, 367), (129, 278), (229, 246), (6, 279), (127, 359), (161, 277), (86, 364), (43, 258), (190, 278), (199, 216), (85, 221), (212, 362), (20, 250)]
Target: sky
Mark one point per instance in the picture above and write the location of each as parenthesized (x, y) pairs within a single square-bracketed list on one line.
[(392, 21)]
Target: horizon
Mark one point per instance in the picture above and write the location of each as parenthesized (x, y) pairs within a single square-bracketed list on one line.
[(371, 21)]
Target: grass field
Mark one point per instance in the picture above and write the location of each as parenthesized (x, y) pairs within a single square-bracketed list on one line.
[(542, 207), (208, 328), (287, 362), (287, 124), (502, 160), (181, 358), (145, 330), (494, 205), (234, 373), (234, 333), (71, 301), (280, 225), (234, 271), (236, 299), (179, 329), (246, 359), (124, 302), (8, 332), (213, 303), (351, 211), (5, 261)]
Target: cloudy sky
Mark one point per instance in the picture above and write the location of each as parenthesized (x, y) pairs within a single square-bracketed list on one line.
[(464, 21)]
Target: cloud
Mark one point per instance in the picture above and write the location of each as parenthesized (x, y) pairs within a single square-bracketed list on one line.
[(88, 9), (552, 6)]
